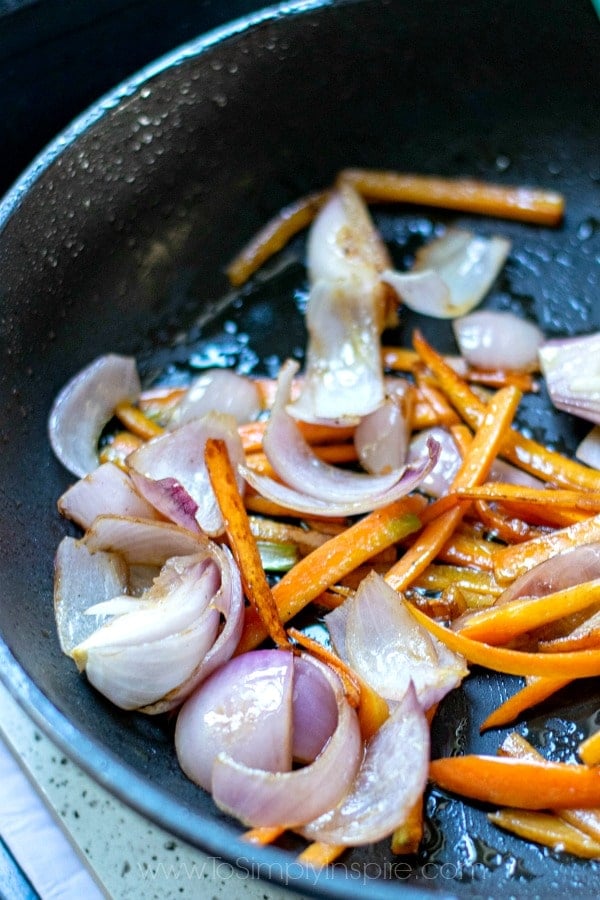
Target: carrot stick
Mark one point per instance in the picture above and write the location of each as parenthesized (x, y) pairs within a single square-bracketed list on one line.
[(319, 854), (474, 469), (408, 836), (322, 568), (121, 445), (510, 562), (263, 834), (273, 236), (580, 664), (547, 829), (586, 820), (523, 452), (534, 691), (403, 359), (526, 784), (436, 577), (589, 750), (464, 194), (252, 433), (464, 549), (135, 420), (243, 544), (565, 497), (504, 527), (500, 624), (371, 707)]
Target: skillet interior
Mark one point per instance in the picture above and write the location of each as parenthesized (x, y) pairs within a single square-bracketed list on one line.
[(117, 238)]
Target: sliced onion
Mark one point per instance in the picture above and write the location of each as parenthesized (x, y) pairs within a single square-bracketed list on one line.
[(84, 406), (588, 451), (391, 779), (217, 390), (346, 313), (168, 497), (315, 712), (80, 579), (467, 265), (375, 633), (571, 367), (153, 652), (243, 709), (491, 339), (437, 482), (381, 438), (142, 541), (179, 455), (312, 485), (289, 799), (108, 489), (564, 570)]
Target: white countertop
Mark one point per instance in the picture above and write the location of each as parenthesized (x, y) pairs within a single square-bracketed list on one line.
[(73, 839)]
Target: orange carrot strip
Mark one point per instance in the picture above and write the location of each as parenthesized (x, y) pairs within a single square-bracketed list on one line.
[(500, 491), (581, 664), (589, 750), (468, 550), (586, 820), (263, 834), (273, 236), (547, 829), (319, 854), (497, 378), (551, 515), (474, 469), (135, 420), (243, 544), (372, 709), (252, 434), (510, 562), (500, 624), (322, 568), (526, 784), (155, 402), (465, 194), (523, 452), (534, 691), (407, 838), (442, 410), (506, 528)]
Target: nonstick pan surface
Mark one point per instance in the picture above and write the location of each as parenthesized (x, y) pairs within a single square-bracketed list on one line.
[(116, 240)]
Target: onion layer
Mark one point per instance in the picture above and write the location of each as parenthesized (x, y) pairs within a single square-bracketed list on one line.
[(498, 340), (217, 390), (571, 368)]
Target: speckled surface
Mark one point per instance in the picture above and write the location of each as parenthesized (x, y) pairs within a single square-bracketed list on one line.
[(112, 846)]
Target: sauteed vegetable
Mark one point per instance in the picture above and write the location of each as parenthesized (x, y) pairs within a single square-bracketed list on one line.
[(385, 489)]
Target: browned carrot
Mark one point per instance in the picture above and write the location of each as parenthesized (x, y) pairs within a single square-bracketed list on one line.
[(371, 707), (580, 664), (274, 236), (465, 194), (547, 829), (525, 453), (407, 838), (589, 750), (337, 557), (506, 528), (564, 497), (243, 544), (135, 420), (533, 692), (467, 549), (522, 783), (474, 469)]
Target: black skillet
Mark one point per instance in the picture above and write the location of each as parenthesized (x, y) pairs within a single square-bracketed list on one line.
[(116, 240)]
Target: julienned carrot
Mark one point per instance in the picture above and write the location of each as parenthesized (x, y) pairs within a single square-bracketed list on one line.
[(565, 497), (523, 452), (506, 528), (407, 838), (500, 624), (585, 820), (533, 692), (403, 359), (526, 784), (319, 854), (547, 829), (335, 558), (589, 750), (372, 709), (579, 664), (436, 577), (121, 445), (512, 561), (135, 420), (274, 236), (465, 194), (263, 834), (474, 469), (241, 539)]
